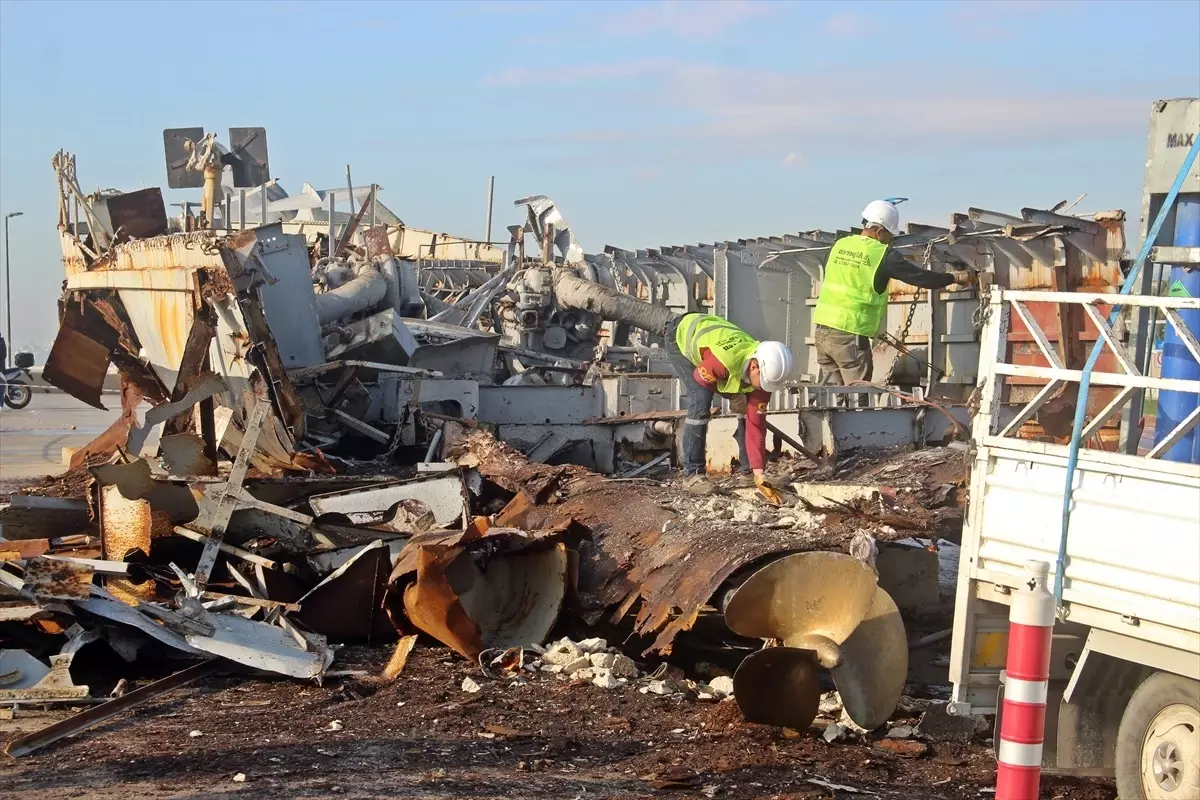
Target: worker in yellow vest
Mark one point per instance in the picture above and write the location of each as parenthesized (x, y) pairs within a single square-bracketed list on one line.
[(852, 306), (713, 356)]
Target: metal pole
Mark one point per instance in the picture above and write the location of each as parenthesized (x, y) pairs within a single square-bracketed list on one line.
[(332, 238), (374, 191), (7, 295), (226, 213), (350, 189), (1131, 416), (8, 291), (242, 211), (263, 204), (487, 231), (24, 745)]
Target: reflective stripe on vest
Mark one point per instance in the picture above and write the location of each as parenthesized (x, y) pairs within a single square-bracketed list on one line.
[(732, 346), (848, 300)]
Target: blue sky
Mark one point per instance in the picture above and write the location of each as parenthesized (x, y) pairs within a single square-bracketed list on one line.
[(650, 123)]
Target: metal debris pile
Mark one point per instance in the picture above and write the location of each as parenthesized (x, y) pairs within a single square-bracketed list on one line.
[(484, 551), (332, 436)]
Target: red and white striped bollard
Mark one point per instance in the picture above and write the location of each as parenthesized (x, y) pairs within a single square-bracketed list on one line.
[(1027, 675)]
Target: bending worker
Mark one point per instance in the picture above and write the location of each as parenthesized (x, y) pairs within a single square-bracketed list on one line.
[(852, 307), (713, 356)]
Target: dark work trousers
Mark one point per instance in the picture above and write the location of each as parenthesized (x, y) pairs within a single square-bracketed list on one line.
[(699, 410)]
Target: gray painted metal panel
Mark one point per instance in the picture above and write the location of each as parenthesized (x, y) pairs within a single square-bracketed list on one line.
[(637, 394), (766, 303), (538, 405), (1171, 123), (453, 350), (289, 303)]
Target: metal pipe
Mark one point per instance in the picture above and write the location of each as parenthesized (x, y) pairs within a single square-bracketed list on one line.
[(366, 290), (1085, 380), (487, 230), (262, 195), (242, 210), (350, 190), (433, 445), (572, 291), (374, 191)]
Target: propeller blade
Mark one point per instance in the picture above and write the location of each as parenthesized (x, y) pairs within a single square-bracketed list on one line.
[(778, 686), (874, 664), (803, 595)]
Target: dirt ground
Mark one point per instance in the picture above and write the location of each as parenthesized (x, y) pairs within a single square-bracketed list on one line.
[(424, 737)]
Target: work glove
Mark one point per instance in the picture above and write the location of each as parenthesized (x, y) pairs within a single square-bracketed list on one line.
[(769, 492), (965, 277)]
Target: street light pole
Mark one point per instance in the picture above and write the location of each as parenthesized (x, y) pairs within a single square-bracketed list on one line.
[(8, 289)]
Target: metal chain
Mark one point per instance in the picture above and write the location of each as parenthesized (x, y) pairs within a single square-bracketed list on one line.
[(908, 321), (903, 337), (983, 312)]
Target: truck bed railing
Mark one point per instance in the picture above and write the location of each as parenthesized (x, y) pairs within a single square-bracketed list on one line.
[(1003, 304)]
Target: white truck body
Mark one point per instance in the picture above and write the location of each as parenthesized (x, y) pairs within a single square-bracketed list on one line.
[(1131, 580)]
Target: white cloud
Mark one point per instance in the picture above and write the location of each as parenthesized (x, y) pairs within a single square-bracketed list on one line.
[(994, 19), (967, 107), (794, 159), (851, 24), (746, 113), (690, 19)]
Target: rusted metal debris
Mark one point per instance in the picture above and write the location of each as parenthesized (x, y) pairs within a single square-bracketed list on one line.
[(50, 578), (486, 587), (640, 555), (264, 509), (348, 603)]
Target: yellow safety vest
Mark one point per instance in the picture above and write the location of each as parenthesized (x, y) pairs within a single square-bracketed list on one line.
[(732, 346), (848, 300)]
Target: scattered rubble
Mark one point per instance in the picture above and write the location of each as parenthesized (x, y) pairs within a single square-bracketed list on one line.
[(337, 439)]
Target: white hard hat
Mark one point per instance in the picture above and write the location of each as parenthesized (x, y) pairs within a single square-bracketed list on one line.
[(774, 364), (883, 214)]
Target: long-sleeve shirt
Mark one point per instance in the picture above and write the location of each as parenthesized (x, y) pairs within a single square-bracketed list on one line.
[(708, 374), (894, 266)]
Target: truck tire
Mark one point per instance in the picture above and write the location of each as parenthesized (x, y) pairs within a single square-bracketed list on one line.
[(1158, 742)]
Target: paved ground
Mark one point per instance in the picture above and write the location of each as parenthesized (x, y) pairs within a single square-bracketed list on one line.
[(32, 439)]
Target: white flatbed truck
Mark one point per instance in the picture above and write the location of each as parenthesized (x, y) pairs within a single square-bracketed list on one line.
[(1124, 695)]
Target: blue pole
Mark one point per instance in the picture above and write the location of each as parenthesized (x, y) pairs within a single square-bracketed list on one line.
[(1085, 381)]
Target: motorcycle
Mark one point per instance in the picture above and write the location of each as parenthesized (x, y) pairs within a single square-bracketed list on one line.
[(17, 393)]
